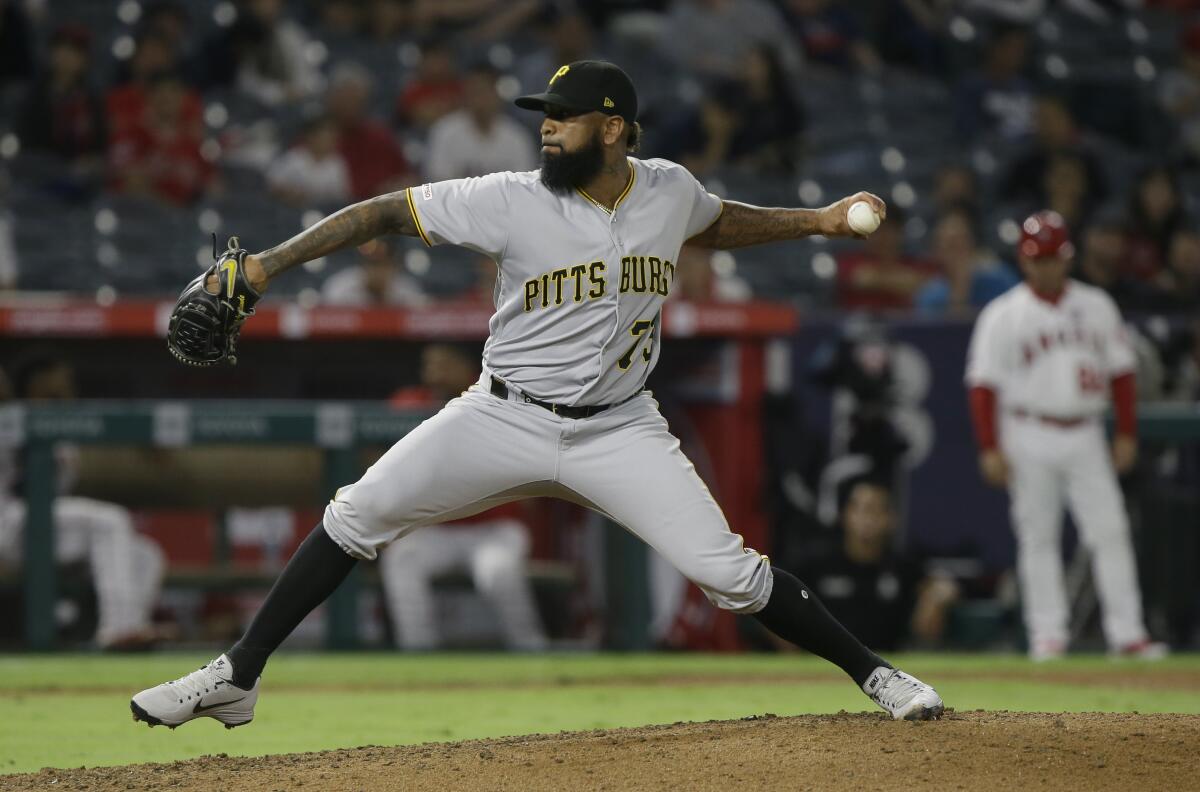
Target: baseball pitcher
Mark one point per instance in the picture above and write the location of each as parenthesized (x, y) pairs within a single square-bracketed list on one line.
[(586, 248)]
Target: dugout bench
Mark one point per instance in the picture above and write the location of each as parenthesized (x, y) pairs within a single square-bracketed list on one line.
[(339, 429)]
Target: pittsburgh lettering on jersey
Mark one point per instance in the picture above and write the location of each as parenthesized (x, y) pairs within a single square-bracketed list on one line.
[(568, 284), (646, 274), (639, 274), (1033, 347)]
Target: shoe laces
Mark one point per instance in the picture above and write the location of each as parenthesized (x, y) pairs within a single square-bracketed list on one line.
[(197, 683), (899, 689)]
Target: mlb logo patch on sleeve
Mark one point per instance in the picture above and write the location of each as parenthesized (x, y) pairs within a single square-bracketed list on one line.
[(427, 192)]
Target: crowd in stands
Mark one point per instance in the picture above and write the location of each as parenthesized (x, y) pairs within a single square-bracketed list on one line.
[(964, 114)]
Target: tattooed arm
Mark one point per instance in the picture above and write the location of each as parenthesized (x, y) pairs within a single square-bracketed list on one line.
[(349, 227), (740, 224)]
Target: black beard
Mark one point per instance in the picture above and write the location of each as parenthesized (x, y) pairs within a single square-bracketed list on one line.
[(566, 171)]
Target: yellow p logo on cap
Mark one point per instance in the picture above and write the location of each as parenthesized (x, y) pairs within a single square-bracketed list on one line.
[(563, 70)]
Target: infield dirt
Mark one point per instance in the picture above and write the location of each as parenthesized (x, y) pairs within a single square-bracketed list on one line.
[(964, 751)]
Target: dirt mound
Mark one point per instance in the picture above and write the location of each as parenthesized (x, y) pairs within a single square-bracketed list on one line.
[(964, 751)]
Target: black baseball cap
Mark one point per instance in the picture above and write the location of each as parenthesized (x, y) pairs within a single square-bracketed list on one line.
[(588, 85)]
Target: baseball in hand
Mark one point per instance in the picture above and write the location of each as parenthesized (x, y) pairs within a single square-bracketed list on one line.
[(862, 217)]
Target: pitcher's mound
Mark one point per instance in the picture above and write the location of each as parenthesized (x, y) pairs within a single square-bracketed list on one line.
[(963, 751)]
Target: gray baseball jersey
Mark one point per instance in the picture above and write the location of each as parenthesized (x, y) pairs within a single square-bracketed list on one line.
[(580, 290)]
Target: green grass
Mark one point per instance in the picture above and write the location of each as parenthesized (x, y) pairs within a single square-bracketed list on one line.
[(71, 710)]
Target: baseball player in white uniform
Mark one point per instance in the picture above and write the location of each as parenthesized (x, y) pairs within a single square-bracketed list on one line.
[(1043, 360), (586, 249)]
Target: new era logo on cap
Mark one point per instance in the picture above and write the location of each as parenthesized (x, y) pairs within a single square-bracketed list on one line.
[(609, 102)]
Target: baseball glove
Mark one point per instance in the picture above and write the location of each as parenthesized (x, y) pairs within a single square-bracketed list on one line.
[(204, 326)]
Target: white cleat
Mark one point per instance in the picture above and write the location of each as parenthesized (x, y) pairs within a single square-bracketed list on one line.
[(207, 693), (903, 695), (1142, 650)]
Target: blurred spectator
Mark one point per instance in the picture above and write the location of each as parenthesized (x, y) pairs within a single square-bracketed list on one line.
[(829, 34), (956, 187), (998, 99), (163, 41), (386, 20), (264, 55), (877, 594), (1179, 91), (126, 102), (1058, 171), (568, 38), (479, 138), (710, 38), (339, 19), (1156, 211), (372, 155), (312, 171), (909, 33), (16, 45), (376, 280), (126, 567), (697, 280), (436, 89), (161, 156), (492, 546), (1178, 284), (753, 123), (64, 115), (971, 276), (879, 274), (9, 269), (477, 20), (1102, 262)]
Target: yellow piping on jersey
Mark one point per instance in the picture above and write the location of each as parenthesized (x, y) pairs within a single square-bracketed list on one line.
[(621, 197), (416, 217)]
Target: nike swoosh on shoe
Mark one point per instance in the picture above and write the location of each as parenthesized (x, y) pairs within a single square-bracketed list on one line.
[(198, 708)]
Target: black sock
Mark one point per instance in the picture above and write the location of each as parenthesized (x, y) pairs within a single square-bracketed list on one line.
[(313, 573), (795, 614)]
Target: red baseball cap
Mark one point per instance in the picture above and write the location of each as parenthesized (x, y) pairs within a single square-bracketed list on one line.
[(1045, 234)]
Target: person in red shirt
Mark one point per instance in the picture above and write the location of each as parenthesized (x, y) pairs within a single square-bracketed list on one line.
[(373, 157), (436, 90), (161, 154), (879, 275), (492, 546)]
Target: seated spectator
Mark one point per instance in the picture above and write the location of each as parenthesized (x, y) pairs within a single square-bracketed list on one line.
[(126, 567), (63, 114), (16, 45), (153, 55), (879, 275), (998, 99), (568, 38), (162, 40), (372, 155), (339, 19), (879, 596), (1102, 262), (1178, 284), (971, 276), (697, 280), (910, 33), (161, 156), (753, 123), (1058, 170), (435, 91), (829, 35), (1156, 212), (263, 54), (479, 138), (386, 20), (956, 187), (377, 280), (312, 171), (710, 38), (493, 547), (1179, 91), (476, 21)]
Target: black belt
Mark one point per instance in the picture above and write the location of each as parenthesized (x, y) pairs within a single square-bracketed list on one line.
[(501, 391)]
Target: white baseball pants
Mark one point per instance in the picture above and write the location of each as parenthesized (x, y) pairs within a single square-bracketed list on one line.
[(127, 568), (494, 553), (481, 451), (1052, 467)]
